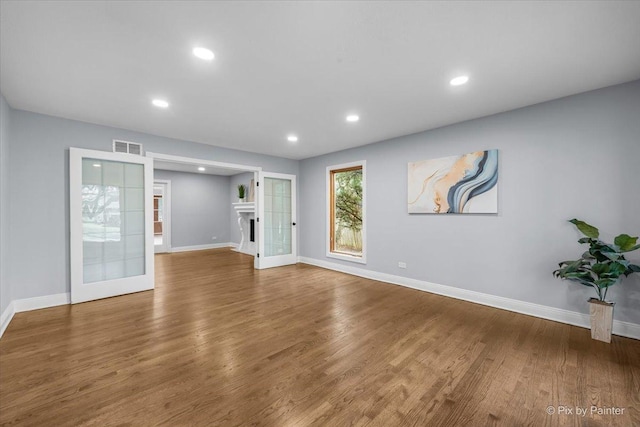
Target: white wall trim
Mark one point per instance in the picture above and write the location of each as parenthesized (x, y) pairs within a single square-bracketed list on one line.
[(236, 248), (625, 329), (201, 247), (28, 304), (6, 317), (203, 162), (36, 303)]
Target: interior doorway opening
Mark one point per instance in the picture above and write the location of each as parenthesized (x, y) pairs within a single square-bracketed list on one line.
[(161, 215), (272, 241), (240, 213)]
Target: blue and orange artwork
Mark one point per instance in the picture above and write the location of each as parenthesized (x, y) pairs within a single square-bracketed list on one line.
[(456, 184)]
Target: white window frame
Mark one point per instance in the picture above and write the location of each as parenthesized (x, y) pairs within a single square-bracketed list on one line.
[(344, 257)]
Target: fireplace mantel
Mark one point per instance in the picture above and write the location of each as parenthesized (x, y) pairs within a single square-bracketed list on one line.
[(245, 207), (246, 212)]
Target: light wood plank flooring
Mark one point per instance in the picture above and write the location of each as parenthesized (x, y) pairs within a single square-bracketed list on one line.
[(218, 343)]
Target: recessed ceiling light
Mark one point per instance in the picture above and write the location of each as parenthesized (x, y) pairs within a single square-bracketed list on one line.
[(201, 169), (353, 118), (292, 138), (460, 80), (97, 165), (203, 53), (160, 103)]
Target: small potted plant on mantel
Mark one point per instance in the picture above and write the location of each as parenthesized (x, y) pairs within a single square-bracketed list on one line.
[(599, 268), (241, 193)]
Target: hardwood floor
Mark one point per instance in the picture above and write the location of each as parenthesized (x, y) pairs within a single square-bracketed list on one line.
[(218, 343)]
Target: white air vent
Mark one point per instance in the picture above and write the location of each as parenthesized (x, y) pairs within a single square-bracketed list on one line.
[(127, 147)]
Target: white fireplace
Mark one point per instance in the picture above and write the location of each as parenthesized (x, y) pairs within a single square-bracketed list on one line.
[(246, 221)]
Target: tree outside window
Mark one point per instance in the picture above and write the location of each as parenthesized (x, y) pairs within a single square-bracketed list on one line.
[(346, 211)]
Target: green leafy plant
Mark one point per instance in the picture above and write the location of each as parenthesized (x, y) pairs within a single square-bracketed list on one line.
[(241, 191), (602, 265), (348, 210), (348, 187)]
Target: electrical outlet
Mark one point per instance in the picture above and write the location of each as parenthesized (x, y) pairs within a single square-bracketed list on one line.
[(402, 264), (214, 238)]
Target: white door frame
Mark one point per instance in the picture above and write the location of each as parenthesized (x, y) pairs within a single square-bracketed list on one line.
[(108, 288), (202, 162), (212, 163), (263, 261), (166, 217)]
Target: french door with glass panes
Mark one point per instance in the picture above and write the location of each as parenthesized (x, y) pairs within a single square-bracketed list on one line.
[(276, 220), (111, 224)]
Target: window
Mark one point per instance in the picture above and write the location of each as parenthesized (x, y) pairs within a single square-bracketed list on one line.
[(346, 212)]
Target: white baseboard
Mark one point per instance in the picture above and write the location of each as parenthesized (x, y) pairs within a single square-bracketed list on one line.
[(6, 317), (28, 304), (201, 247), (625, 329), (236, 248)]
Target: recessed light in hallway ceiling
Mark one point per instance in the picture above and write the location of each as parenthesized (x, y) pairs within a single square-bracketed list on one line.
[(203, 53), (161, 103), (460, 80)]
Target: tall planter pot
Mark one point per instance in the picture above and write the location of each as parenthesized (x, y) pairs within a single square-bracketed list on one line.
[(601, 313)]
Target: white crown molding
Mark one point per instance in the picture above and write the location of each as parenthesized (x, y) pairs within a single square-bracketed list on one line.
[(625, 329)]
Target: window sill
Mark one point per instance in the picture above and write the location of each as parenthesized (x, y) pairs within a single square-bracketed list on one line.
[(350, 258)]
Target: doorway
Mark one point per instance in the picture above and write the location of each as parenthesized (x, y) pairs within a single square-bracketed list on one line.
[(274, 207), (161, 216), (117, 212)]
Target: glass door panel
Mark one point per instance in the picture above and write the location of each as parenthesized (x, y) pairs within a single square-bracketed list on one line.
[(277, 216), (277, 220), (112, 220)]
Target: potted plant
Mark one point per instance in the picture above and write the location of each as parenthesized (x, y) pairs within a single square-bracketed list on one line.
[(599, 268), (241, 192)]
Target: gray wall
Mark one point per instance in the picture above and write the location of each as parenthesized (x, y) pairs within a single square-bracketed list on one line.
[(241, 178), (199, 208), (39, 194), (573, 157), (5, 290)]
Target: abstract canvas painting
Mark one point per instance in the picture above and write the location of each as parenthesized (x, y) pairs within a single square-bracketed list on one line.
[(458, 184)]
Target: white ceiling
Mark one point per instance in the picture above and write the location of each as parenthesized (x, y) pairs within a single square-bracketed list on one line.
[(300, 67), (191, 168)]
